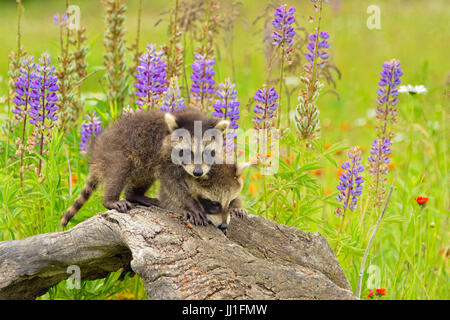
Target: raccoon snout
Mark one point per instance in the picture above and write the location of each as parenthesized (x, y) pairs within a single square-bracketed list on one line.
[(223, 226), (198, 172)]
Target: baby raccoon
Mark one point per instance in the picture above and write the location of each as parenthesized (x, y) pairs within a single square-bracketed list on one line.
[(138, 149), (216, 192)]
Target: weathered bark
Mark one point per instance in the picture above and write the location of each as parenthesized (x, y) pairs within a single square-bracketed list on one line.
[(258, 260)]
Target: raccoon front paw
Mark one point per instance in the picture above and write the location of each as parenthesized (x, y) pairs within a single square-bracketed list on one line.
[(239, 212), (197, 218), (121, 206)]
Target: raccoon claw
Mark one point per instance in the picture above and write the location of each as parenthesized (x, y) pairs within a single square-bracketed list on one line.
[(239, 212), (196, 218), (122, 206)]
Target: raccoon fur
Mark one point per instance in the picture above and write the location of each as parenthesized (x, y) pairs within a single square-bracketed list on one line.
[(134, 152)]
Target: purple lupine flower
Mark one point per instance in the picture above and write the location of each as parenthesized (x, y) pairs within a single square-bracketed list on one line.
[(319, 56), (380, 152), (284, 32), (43, 94), (60, 20), (173, 101), (22, 86), (91, 128), (266, 108), (227, 108), (202, 89), (350, 185), (388, 90), (151, 77), (386, 111)]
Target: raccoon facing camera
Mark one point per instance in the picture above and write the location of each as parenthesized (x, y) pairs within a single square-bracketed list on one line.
[(136, 151)]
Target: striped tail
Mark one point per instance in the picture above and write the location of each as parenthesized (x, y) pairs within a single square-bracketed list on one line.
[(88, 189)]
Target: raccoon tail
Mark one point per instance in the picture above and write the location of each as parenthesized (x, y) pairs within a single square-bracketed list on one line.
[(88, 189)]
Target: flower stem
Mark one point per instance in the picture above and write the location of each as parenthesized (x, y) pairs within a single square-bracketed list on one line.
[(281, 87), (42, 126), (366, 253), (316, 49)]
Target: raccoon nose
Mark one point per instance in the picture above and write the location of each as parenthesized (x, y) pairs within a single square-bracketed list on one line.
[(223, 226), (197, 172)]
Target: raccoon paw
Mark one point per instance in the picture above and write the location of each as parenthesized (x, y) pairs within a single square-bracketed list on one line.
[(197, 218), (239, 212), (145, 201), (121, 206)]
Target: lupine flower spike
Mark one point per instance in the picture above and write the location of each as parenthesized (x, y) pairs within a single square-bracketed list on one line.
[(266, 107), (227, 108), (44, 93), (65, 71), (202, 89), (115, 51), (22, 99), (307, 113), (379, 157), (350, 186), (283, 38), (316, 52), (23, 86), (264, 118), (43, 99), (388, 93), (173, 101), (91, 128), (283, 34), (387, 101), (151, 78)]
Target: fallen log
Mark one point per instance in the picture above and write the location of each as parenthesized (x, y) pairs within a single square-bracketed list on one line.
[(258, 259)]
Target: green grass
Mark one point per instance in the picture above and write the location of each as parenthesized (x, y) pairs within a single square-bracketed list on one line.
[(406, 250)]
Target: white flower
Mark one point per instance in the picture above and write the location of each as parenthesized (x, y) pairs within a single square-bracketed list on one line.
[(412, 89)]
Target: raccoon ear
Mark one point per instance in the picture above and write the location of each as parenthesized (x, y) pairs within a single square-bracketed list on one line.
[(222, 125), (170, 121), (240, 167)]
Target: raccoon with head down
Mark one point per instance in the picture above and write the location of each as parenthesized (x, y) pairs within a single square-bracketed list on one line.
[(217, 193), (135, 151)]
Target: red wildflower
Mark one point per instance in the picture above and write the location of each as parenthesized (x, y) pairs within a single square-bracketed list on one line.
[(421, 200), (380, 292), (370, 295)]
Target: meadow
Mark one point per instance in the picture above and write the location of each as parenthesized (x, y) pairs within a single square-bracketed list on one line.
[(408, 258)]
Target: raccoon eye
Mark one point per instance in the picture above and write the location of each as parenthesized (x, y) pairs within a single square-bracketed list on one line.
[(213, 153), (182, 153), (211, 207)]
